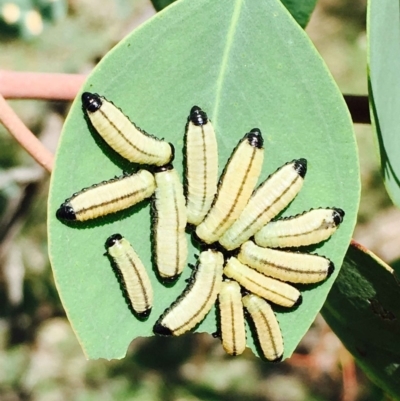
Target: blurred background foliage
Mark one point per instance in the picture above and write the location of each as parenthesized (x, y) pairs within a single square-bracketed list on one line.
[(28, 18), (40, 358)]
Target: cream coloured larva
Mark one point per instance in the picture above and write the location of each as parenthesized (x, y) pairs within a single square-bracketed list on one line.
[(267, 330), (108, 197), (308, 228), (266, 287), (122, 135), (201, 165), (198, 298), (235, 188), (270, 198), (169, 222), (131, 273), (232, 326), (293, 267)]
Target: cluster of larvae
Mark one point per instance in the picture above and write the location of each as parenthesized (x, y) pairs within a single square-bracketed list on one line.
[(239, 265)]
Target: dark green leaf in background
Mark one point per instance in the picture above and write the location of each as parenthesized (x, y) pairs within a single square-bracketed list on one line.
[(363, 309), (384, 87), (300, 9), (160, 4), (246, 63)]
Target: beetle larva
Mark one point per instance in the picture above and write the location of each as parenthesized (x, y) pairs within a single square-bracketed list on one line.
[(236, 185), (122, 135), (308, 228), (108, 197), (233, 331), (201, 165), (132, 274), (266, 287), (196, 301), (293, 267), (266, 325), (271, 197), (170, 243)]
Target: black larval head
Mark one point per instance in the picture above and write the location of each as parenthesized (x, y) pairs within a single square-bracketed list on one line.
[(338, 215), (198, 116), (300, 165), (299, 301), (112, 240), (91, 101), (194, 109), (170, 279), (66, 212), (172, 152), (161, 330), (255, 139), (331, 269), (143, 315), (161, 169), (277, 359), (197, 239)]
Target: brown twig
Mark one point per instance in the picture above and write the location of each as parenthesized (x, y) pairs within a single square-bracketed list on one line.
[(24, 136), (32, 85), (27, 85), (349, 376), (11, 225)]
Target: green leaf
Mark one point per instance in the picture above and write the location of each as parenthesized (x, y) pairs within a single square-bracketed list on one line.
[(301, 10), (363, 310), (384, 88), (247, 65), (160, 4)]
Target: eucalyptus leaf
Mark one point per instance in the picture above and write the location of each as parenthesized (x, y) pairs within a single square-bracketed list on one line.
[(160, 4), (300, 9), (247, 64), (384, 88), (363, 310)]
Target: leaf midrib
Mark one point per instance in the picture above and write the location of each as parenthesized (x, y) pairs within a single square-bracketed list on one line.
[(225, 57)]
